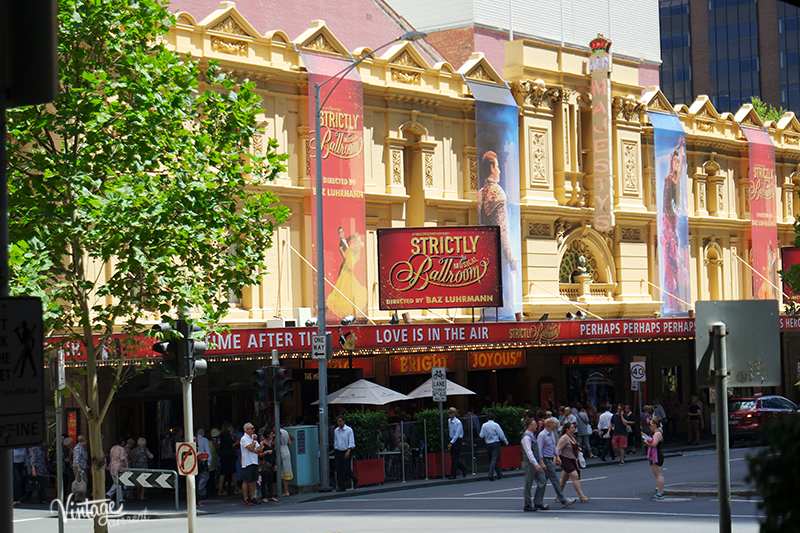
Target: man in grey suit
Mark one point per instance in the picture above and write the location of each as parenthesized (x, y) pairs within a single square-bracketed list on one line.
[(531, 458)]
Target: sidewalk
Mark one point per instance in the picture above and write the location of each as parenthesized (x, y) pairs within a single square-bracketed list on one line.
[(161, 504)]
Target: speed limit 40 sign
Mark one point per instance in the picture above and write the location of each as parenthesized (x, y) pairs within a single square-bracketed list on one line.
[(638, 372)]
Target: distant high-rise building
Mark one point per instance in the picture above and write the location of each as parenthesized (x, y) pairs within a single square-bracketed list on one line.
[(730, 50)]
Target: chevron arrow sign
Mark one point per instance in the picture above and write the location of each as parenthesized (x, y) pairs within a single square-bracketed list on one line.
[(147, 480)]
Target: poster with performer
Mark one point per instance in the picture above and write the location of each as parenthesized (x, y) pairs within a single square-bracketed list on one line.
[(790, 256), (497, 148), (763, 224), (343, 212), (672, 201)]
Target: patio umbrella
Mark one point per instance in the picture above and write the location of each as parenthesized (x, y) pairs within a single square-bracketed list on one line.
[(366, 393), (453, 389)]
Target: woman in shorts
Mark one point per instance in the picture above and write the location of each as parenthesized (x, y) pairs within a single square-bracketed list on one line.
[(655, 452)]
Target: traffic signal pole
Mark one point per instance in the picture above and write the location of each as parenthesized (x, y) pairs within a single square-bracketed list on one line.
[(188, 413), (277, 446)]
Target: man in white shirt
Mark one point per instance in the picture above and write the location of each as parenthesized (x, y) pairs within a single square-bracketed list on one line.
[(456, 432), (249, 450), (492, 434), (343, 443), (202, 464), (531, 457), (602, 428)]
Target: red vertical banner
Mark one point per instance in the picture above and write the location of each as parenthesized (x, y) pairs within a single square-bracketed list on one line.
[(343, 212), (763, 224)]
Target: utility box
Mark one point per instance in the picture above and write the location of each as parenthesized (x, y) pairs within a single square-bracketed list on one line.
[(305, 457)]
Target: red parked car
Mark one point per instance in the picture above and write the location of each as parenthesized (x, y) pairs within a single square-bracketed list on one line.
[(748, 417)]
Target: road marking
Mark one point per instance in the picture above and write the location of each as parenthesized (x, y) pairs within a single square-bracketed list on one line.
[(520, 488), (30, 519)]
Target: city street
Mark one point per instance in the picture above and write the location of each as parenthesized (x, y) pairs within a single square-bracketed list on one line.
[(619, 498)]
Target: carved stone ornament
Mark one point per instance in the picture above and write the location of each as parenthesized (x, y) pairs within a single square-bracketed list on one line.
[(628, 108), (258, 143), (792, 140), (704, 113), (225, 46), (538, 156), (567, 95), (229, 26), (321, 43), (473, 173), (429, 170), (397, 167), (748, 120), (536, 94), (657, 105), (562, 228), (632, 234), (479, 73), (412, 78), (538, 230), (629, 165), (308, 157), (705, 126), (702, 190), (405, 60), (608, 237)]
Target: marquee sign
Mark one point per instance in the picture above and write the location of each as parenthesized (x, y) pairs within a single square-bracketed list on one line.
[(602, 141), (496, 359), (401, 365), (430, 268)]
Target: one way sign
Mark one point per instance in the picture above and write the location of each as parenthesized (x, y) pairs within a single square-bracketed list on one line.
[(148, 479)]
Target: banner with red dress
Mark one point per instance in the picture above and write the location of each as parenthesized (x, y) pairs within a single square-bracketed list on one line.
[(672, 203), (763, 224), (344, 212)]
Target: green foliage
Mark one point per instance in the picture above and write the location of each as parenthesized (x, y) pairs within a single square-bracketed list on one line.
[(765, 111), (137, 167), (432, 438), (367, 433), (510, 419), (774, 471)]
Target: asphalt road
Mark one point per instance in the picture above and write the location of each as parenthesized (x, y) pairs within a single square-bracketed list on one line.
[(619, 499)]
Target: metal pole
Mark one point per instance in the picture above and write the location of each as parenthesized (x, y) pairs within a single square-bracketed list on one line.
[(324, 465), (60, 463), (276, 449), (403, 450), (474, 463), (427, 444), (188, 421), (441, 435), (719, 331)]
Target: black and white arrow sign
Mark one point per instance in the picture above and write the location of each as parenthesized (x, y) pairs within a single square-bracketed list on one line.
[(148, 480)]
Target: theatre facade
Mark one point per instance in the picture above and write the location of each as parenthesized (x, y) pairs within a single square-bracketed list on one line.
[(620, 211)]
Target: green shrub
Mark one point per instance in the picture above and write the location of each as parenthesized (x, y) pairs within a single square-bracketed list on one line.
[(510, 419), (774, 471), (367, 433), (433, 441)]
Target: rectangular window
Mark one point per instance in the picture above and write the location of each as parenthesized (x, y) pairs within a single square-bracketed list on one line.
[(781, 24), (722, 34), (744, 64), (666, 42), (724, 102), (733, 32), (794, 92), (722, 67), (753, 29), (733, 67), (676, 40), (713, 69), (791, 24), (791, 58), (744, 30), (685, 40)]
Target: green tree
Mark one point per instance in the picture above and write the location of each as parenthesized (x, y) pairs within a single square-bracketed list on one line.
[(765, 111), (141, 168), (774, 471)]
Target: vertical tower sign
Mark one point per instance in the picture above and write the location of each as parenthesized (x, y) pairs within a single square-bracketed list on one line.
[(600, 68)]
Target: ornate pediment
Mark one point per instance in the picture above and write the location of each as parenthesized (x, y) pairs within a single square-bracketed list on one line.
[(535, 93), (477, 68), (747, 116), (703, 108), (318, 38), (405, 60), (407, 65), (654, 100), (229, 25)]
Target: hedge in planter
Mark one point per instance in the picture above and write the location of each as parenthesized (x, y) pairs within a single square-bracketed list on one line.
[(367, 433), (433, 442)]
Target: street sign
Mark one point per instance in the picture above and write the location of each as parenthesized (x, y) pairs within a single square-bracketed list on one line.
[(21, 372), (186, 456), (439, 383), (148, 480), (319, 346), (752, 342), (638, 372)]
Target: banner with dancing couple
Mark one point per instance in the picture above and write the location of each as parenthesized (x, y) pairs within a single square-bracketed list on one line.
[(497, 147), (672, 203), (344, 212)]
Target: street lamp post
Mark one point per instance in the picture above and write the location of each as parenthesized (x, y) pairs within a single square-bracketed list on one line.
[(324, 470)]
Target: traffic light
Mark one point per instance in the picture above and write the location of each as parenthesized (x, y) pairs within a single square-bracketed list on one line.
[(261, 380), (283, 384), (195, 350), (168, 349)]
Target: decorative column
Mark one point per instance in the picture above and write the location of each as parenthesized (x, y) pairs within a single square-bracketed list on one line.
[(395, 168)]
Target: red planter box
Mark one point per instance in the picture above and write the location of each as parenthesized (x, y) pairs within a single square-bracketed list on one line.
[(435, 464), (368, 471), (510, 457)]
